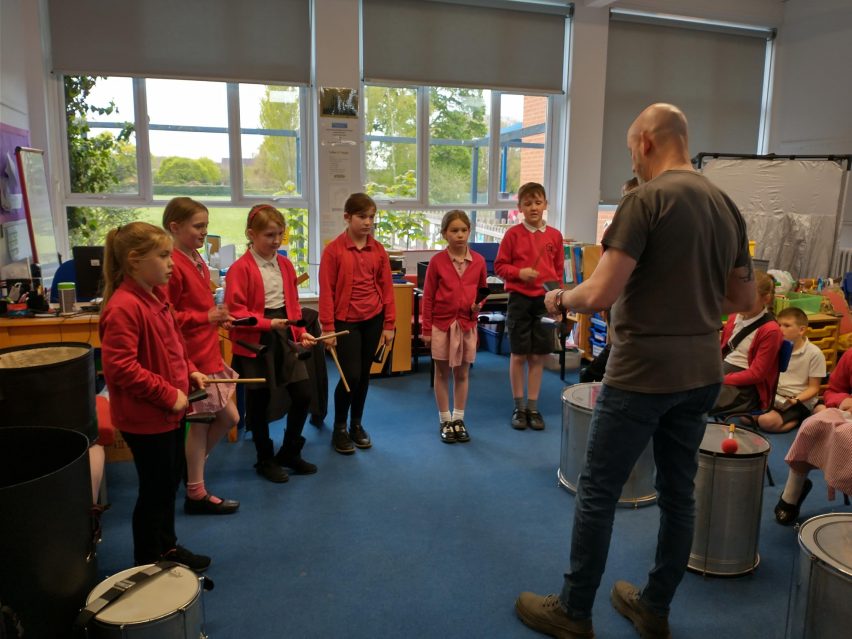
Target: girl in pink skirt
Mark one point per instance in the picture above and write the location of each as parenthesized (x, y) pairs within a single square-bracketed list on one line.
[(449, 320), (824, 441)]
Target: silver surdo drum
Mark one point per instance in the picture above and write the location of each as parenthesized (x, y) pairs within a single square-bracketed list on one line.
[(578, 401), (728, 499), (165, 606), (821, 592)]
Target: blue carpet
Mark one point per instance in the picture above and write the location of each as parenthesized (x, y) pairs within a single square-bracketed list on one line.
[(416, 538)]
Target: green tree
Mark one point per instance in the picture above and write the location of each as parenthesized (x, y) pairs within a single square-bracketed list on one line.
[(276, 164), (390, 111), (94, 162), (176, 170)]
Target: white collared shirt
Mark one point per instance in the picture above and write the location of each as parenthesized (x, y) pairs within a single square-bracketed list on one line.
[(273, 282), (533, 229), (805, 362), (739, 356)]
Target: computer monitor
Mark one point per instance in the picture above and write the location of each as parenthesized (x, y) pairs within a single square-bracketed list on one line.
[(89, 264)]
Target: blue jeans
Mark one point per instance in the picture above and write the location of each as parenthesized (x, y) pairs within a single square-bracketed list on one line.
[(622, 424)]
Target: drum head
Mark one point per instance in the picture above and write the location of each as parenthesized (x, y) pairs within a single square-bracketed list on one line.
[(158, 597), (41, 355), (582, 395), (829, 539), (750, 443)]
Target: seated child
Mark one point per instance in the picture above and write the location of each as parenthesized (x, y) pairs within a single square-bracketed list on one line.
[(750, 345), (823, 442), (798, 386)]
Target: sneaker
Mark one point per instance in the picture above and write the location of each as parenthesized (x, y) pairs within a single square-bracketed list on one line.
[(519, 419), (535, 419), (341, 442), (545, 615), (461, 431), (625, 599), (198, 563), (359, 436), (268, 469), (204, 506), (448, 433)]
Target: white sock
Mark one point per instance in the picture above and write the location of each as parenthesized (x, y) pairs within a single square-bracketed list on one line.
[(458, 414), (793, 487), (444, 416)]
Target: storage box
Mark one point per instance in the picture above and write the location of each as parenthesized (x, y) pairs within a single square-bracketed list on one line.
[(119, 450), (491, 340), (810, 304)]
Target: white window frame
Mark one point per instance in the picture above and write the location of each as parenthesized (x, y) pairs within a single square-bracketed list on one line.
[(421, 201), (145, 196)]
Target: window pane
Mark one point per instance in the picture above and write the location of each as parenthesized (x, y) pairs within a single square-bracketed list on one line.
[(415, 229), (189, 138), (101, 143), (522, 136), (271, 140), (458, 145), (390, 127)]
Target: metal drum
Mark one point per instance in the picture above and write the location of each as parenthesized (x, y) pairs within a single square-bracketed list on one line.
[(728, 499), (165, 606), (577, 404), (50, 384), (821, 594), (47, 560)]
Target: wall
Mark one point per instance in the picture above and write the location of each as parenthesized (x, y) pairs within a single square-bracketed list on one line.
[(813, 85), (13, 81)]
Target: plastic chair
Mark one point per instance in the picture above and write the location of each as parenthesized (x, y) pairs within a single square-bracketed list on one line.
[(66, 272)]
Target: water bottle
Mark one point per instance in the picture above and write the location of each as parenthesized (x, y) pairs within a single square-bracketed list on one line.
[(219, 297)]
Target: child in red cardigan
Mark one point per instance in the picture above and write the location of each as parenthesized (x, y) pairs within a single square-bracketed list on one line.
[(530, 256), (751, 367), (356, 294), (199, 320), (148, 375), (453, 279), (262, 284)]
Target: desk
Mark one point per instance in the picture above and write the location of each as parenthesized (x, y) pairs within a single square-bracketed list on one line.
[(35, 330)]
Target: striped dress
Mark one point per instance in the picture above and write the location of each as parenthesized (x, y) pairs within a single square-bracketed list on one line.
[(824, 440)]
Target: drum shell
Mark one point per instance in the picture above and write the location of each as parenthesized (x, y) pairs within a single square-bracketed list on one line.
[(820, 594), (728, 501), (185, 622), (576, 421), (59, 394), (47, 564)]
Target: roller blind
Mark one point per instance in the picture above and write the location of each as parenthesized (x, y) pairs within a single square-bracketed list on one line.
[(249, 40), (504, 46), (715, 78)]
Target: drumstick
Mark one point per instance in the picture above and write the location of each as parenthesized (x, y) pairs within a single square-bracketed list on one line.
[(304, 277), (729, 444), (238, 380), (339, 370), (330, 335)]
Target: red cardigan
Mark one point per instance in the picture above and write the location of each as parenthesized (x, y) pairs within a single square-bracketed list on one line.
[(335, 275), (189, 292), (839, 382), (142, 373), (244, 296), (521, 249), (762, 371), (448, 296)]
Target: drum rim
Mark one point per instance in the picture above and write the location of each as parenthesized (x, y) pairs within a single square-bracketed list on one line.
[(185, 606), (89, 352), (737, 455), (571, 387), (840, 570)]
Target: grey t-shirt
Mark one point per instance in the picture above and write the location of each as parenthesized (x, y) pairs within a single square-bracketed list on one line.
[(686, 236)]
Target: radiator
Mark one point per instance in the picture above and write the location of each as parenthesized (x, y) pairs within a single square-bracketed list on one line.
[(843, 262)]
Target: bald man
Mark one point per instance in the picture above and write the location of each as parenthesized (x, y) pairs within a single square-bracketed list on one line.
[(675, 259)]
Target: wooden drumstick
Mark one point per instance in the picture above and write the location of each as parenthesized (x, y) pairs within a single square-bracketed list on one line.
[(238, 380), (330, 335), (339, 370)]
